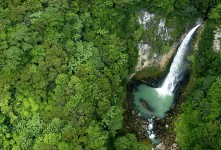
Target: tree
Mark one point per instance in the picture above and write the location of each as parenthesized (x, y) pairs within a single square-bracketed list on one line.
[(215, 14), (128, 142), (97, 138)]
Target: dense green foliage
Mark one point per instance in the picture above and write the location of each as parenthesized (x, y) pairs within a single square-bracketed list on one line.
[(180, 13), (198, 127), (181, 7), (63, 67), (152, 73), (215, 15), (207, 62)]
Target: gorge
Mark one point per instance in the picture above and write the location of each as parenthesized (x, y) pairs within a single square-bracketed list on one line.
[(155, 102)]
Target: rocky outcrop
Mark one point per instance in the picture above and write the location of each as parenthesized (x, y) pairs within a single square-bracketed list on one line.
[(146, 105), (148, 49), (217, 40), (162, 146)]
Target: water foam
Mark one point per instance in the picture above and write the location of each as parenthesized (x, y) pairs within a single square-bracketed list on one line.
[(176, 69)]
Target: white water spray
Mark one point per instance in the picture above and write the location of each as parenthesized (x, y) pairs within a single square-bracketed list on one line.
[(173, 77)]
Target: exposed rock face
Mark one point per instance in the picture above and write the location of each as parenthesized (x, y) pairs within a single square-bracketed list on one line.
[(143, 53), (147, 49), (217, 39), (156, 48), (144, 18), (163, 30)]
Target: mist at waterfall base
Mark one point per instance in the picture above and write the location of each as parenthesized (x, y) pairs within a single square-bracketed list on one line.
[(155, 102)]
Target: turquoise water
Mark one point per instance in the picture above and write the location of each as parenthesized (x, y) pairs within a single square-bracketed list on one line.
[(157, 102)]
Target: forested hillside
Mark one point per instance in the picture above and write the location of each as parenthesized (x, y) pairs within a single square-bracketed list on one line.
[(64, 66)]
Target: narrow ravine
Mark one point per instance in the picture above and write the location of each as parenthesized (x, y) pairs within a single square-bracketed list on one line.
[(155, 102)]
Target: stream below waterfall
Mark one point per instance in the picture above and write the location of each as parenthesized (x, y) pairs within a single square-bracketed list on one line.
[(155, 102)]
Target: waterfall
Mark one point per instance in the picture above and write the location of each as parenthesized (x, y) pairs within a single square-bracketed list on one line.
[(159, 100), (173, 77)]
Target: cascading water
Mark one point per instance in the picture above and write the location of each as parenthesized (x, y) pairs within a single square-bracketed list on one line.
[(157, 101), (175, 72)]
